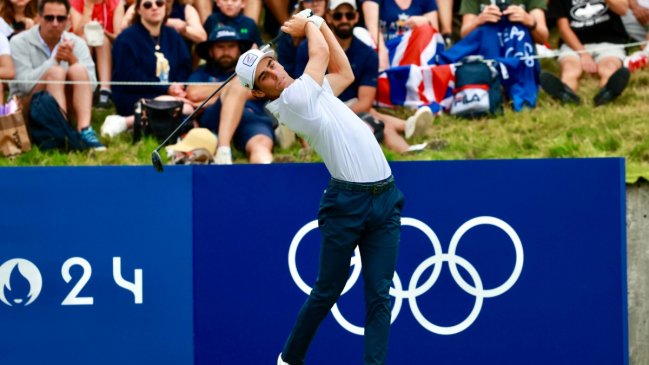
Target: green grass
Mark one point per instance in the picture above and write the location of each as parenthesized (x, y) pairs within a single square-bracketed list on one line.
[(551, 130)]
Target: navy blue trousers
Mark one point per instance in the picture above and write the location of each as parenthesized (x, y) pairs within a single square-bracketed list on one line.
[(350, 215)]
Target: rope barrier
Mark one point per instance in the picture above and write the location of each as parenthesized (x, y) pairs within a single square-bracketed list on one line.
[(552, 54)]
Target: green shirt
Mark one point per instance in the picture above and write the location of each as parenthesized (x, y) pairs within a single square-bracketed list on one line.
[(476, 6)]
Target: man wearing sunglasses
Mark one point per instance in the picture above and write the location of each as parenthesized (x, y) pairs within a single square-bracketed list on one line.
[(47, 52)]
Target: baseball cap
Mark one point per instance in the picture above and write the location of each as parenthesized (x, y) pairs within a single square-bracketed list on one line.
[(247, 66), (333, 4), (195, 139), (221, 34)]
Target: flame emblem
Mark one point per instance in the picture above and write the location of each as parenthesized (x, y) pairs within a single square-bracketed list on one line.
[(28, 272)]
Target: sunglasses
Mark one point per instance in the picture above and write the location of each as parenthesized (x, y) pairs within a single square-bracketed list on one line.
[(59, 18), (349, 15), (149, 4)]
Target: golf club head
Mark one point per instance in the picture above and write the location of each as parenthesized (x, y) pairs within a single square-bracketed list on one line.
[(156, 161)]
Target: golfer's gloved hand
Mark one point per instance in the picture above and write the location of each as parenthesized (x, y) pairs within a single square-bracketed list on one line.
[(305, 13), (308, 14)]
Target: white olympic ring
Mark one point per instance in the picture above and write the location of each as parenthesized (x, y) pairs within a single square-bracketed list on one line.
[(436, 260)]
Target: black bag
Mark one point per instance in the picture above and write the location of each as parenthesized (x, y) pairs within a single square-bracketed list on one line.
[(49, 125), (477, 91), (157, 118)]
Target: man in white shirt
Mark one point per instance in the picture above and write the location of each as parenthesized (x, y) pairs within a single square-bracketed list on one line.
[(361, 206)]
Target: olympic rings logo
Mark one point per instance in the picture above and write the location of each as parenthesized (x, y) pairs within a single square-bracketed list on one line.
[(439, 257)]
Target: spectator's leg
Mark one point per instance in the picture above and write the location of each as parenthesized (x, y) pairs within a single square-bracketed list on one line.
[(2, 93), (445, 17), (81, 95), (104, 59), (233, 98), (259, 149), (606, 67), (398, 124), (393, 139), (253, 10), (571, 72), (54, 73)]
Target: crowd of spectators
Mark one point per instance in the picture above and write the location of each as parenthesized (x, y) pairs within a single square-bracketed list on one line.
[(98, 42)]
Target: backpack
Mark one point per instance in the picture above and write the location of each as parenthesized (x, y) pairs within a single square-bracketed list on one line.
[(49, 125), (158, 118), (477, 90)]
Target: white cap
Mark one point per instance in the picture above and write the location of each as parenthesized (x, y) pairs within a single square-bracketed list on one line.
[(333, 4), (247, 66)]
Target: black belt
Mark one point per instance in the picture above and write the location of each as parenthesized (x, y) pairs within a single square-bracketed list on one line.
[(373, 188)]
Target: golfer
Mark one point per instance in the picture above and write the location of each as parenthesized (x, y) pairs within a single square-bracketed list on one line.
[(361, 205)]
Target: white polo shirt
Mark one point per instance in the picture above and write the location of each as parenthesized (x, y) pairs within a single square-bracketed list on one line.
[(345, 143)]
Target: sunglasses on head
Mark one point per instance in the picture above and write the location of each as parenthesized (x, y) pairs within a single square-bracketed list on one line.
[(59, 18), (349, 15), (149, 4)]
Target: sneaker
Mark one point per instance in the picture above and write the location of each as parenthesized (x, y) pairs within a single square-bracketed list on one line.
[(91, 140), (104, 101), (223, 156), (558, 90), (113, 125), (636, 61), (419, 123), (614, 87), (284, 137), (280, 361)]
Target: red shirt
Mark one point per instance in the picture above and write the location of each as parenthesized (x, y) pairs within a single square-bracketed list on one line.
[(102, 12)]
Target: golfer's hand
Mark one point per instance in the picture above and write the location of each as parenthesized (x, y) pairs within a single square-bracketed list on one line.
[(295, 26)]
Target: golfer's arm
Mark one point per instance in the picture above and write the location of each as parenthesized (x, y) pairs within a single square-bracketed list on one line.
[(340, 74), (316, 67)]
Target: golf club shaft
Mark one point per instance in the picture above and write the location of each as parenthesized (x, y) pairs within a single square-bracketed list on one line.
[(198, 108)]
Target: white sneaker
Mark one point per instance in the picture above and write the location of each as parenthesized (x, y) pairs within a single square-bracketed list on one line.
[(223, 156), (420, 122), (280, 361), (113, 125)]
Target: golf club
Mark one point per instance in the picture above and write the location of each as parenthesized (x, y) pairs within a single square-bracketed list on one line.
[(156, 160)]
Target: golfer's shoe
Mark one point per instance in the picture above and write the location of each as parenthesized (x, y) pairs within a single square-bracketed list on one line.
[(223, 156), (419, 123), (280, 361)]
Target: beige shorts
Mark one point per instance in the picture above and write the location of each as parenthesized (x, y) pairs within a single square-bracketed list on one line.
[(599, 51)]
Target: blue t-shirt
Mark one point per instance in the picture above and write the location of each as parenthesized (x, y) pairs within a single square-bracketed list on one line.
[(246, 26), (392, 17), (134, 59), (364, 62)]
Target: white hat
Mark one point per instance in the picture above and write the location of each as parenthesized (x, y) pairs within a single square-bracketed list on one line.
[(247, 66), (333, 4), (195, 139)]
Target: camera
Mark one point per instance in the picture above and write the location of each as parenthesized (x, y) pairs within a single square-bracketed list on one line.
[(502, 4)]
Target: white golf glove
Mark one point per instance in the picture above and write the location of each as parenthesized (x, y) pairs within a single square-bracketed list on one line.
[(308, 14)]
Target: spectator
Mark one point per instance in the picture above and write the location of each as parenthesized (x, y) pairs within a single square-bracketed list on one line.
[(7, 70), (233, 116), (252, 9), (47, 52), (16, 16), (149, 51), (530, 13), (108, 15), (636, 20), (593, 29), (182, 17), (230, 14), (359, 96), (287, 46), (636, 23), (394, 20)]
